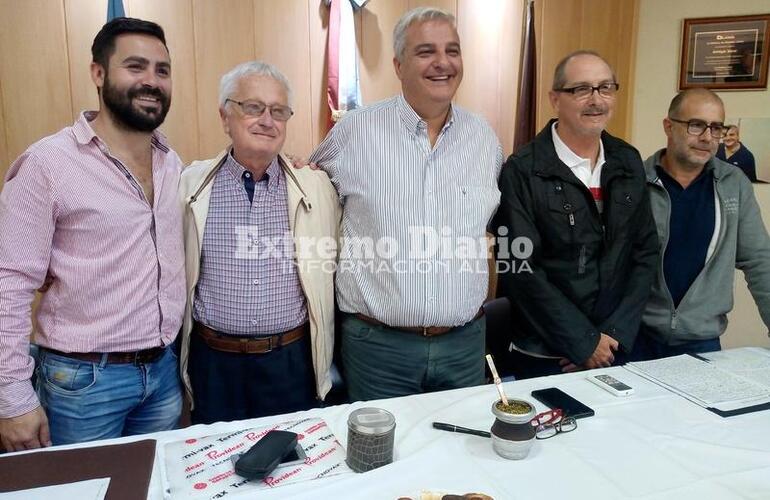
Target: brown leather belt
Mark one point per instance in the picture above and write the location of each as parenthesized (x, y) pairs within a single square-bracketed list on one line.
[(248, 345), (425, 331), (136, 357)]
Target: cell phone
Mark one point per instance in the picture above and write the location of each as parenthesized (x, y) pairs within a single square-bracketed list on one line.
[(266, 454), (611, 384), (556, 398)]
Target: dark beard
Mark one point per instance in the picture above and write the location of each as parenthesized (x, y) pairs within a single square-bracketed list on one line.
[(120, 105)]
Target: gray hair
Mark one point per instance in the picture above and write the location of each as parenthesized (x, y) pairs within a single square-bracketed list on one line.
[(229, 82), (559, 74), (418, 15)]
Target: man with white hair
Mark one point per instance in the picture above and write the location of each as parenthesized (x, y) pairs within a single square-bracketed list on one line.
[(416, 175), (258, 331)]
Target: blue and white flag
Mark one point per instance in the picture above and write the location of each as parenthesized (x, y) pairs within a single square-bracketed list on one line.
[(115, 9)]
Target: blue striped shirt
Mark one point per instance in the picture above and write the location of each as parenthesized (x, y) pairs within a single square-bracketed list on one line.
[(403, 198)]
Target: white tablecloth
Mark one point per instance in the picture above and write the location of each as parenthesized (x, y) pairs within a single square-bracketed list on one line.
[(650, 445)]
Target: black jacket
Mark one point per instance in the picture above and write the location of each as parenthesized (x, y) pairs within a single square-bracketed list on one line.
[(591, 273)]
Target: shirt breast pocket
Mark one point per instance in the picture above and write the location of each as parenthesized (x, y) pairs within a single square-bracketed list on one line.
[(625, 203), (564, 217), (474, 208)]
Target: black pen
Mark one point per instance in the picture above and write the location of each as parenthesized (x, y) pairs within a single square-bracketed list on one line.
[(456, 428)]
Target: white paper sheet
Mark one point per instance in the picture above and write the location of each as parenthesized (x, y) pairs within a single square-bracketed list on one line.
[(93, 489), (726, 380)]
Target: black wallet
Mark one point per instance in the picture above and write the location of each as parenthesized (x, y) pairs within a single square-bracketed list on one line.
[(266, 454)]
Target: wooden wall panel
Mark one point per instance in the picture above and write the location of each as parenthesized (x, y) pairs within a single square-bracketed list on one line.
[(481, 32), (625, 35), (5, 161), (447, 5), (33, 62), (207, 38), (607, 26), (378, 78), (224, 38), (84, 19), (318, 24), (283, 40), (176, 18), (557, 34), (611, 33), (509, 47)]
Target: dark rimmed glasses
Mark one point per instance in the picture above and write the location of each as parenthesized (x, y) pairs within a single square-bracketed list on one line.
[(698, 127), (552, 422), (580, 92), (256, 108)]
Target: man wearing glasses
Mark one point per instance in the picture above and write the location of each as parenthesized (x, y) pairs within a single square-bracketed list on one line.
[(258, 330), (708, 223), (578, 194)]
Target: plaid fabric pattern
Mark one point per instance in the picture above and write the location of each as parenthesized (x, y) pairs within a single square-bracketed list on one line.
[(248, 282)]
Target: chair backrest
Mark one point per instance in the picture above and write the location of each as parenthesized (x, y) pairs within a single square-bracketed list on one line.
[(499, 333)]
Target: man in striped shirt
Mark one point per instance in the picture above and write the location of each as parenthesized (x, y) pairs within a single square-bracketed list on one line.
[(417, 178), (91, 214)]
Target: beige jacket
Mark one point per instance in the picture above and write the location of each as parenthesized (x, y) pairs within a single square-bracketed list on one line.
[(314, 212)]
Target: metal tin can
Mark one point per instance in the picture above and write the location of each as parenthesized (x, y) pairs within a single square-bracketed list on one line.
[(371, 432)]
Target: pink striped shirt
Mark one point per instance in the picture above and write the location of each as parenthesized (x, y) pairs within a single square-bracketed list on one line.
[(71, 211)]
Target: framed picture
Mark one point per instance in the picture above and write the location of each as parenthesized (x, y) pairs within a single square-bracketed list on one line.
[(725, 53)]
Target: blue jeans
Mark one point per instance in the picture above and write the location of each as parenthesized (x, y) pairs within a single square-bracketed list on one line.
[(87, 401), (382, 362)]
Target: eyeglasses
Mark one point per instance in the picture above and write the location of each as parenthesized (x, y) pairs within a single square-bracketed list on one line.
[(697, 127), (256, 108), (581, 92), (552, 422)]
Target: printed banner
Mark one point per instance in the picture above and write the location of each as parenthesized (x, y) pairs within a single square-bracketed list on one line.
[(202, 468)]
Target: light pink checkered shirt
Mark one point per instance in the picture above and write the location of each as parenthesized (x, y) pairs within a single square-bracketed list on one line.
[(71, 211)]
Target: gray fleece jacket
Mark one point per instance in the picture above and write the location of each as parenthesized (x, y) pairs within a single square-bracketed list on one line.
[(742, 242)]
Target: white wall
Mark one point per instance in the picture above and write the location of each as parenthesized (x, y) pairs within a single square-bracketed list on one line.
[(745, 327), (658, 50), (656, 80)]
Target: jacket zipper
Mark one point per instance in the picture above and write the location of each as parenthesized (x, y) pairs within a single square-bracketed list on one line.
[(663, 254)]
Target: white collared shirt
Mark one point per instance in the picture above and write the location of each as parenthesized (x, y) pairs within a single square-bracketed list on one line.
[(581, 167)]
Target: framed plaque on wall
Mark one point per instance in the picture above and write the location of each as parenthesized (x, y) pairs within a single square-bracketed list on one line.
[(725, 53)]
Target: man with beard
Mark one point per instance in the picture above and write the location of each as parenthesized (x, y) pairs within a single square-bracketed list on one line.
[(709, 223), (578, 195), (91, 215)]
